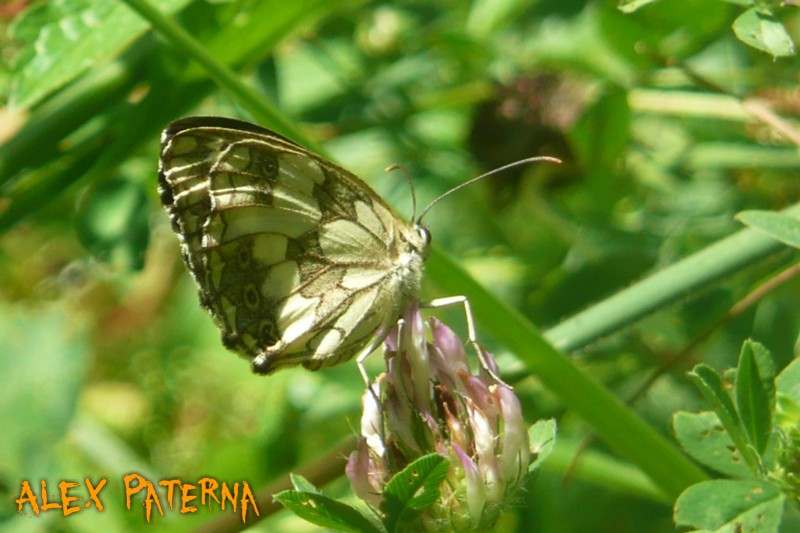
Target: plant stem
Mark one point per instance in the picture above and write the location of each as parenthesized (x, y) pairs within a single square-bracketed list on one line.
[(254, 102), (696, 272)]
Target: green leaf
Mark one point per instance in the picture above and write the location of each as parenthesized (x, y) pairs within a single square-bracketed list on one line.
[(763, 32), (629, 6), (787, 414), (780, 226), (113, 222), (787, 398), (326, 512), (607, 119), (706, 440), (717, 155), (301, 484), (414, 488), (711, 386), (755, 393), (788, 381), (542, 436), (729, 506), (61, 39), (486, 16)]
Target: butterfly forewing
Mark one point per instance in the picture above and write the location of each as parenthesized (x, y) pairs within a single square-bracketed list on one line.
[(298, 261)]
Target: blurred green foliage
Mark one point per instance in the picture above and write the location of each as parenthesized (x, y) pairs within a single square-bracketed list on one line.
[(107, 363)]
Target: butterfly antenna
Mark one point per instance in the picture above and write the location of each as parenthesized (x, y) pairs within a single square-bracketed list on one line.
[(482, 176), (402, 169)]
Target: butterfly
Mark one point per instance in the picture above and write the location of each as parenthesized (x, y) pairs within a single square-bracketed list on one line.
[(298, 261)]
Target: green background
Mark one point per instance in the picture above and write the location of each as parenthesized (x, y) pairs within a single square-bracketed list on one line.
[(108, 365)]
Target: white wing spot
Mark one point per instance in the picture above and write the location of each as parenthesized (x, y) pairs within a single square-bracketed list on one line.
[(269, 248), (281, 280), (345, 241), (367, 216)]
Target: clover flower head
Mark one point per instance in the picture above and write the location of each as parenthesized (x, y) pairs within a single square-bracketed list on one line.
[(427, 401)]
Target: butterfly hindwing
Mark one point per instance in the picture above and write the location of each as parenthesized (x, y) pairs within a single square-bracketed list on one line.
[(297, 260)]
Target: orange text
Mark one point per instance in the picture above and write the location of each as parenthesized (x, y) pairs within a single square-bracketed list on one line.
[(207, 490), (65, 499)]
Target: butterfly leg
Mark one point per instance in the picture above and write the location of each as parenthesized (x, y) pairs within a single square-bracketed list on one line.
[(472, 337), (371, 347)]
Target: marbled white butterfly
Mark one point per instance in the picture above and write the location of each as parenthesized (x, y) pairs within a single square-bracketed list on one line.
[(298, 261)]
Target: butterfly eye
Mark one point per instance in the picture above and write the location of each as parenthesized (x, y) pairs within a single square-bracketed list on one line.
[(424, 236)]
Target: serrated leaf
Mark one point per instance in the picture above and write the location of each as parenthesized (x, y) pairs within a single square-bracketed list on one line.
[(711, 386), (301, 484), (713, 390), (765, 361), (61, 39), (326, 512), (763, 32), (755, 393), (706, 440), (542, 436), (779, 226), (730, 506), (414, 488)]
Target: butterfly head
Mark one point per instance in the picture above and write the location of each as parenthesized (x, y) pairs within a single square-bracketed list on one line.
[(420, 241), (414, 248)]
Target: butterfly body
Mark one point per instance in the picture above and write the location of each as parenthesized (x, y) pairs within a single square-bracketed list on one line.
[(297, 260)]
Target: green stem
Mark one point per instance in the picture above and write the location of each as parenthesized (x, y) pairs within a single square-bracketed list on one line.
[(36, 142), (254, 102), (697, 271), (600, 469)]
